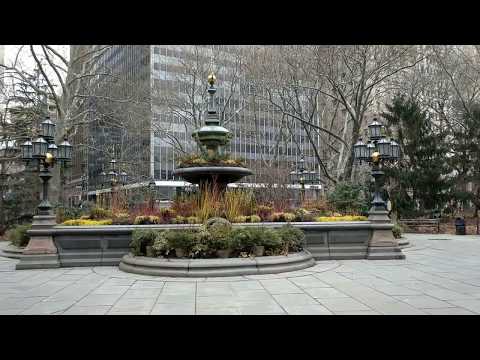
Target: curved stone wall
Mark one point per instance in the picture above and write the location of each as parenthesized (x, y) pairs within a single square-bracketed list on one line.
[(216, 267)]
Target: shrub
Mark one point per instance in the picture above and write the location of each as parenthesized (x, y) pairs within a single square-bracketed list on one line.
[(141, 238), (69, 213), (166, 214), (303, 215), (242, 239), (161, 245), (240, 219), (282, 217), (254, 219), (318, 205), (18, 235), (397, 231), (270, 239), (217, 221), (181, 239), (238, 202), (264, 211), (201, 247), (193, 220), (178, 220), (340, 218), (146, 220), (293, 238), (121, 219), (97, 213), (220, 236), (87, 222), (348, 198)]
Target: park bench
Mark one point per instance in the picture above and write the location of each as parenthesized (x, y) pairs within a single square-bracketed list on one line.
[(421, 222)]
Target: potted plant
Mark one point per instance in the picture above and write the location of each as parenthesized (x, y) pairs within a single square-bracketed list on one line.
[(221, 239), (181, 241)]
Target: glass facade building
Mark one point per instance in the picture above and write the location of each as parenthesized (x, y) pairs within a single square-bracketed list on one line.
[(169, 107)]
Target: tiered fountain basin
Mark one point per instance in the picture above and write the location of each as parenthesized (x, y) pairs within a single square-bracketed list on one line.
[(212, 174)]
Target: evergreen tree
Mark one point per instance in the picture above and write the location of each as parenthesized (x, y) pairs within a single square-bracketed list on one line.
[(419, 183), (465, 158)]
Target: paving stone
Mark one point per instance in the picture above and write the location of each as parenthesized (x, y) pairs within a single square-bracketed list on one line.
[(343, 304), (261, 309), (179, 288), (173, 309), (325, 293), (307, 309), (238, 286), (48, 308), (91, 300), (141, 293), (214, 289), (294, 299), (449, 311), (176, 299), (423, 302), (224, 310), (308, 282), (110, 289), (140, 306), (147, 285), (87, 310), (280, 286), (396, 290), (366, 312), (472, 305), (445, 294), (14, 303)]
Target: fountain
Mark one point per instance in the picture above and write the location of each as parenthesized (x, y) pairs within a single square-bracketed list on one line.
[(210, 137)]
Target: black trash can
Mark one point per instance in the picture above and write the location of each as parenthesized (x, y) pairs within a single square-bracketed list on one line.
[(460, 226)]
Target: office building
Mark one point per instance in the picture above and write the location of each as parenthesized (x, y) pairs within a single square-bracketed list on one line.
[(148, 133)]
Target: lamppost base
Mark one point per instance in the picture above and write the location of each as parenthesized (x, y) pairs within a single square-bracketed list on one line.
[(41, 252), (383, 245), (379, 216)]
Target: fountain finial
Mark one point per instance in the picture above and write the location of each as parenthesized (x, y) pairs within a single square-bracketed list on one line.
[(212, 78)]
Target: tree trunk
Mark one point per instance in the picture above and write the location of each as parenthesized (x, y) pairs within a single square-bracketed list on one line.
[(349, 164)]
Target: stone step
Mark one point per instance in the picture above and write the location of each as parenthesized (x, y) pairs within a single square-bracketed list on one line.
[(44, 261)]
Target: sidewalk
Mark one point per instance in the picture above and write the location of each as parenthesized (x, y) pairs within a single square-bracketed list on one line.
[(441, 275)]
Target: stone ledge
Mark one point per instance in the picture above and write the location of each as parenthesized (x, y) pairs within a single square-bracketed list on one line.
[(216, 267)]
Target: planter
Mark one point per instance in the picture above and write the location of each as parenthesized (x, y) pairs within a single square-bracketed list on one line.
[(149, 251), (259, 250), (179, 253), (224, 253)]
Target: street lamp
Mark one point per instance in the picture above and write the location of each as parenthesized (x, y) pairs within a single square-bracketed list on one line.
[(378, 150), (152, 186), (44, 154), (301, 176), (302, 180), (114, 178)]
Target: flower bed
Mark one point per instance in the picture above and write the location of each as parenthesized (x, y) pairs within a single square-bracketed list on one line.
[(204, 160), (232, 208), (217, 238)]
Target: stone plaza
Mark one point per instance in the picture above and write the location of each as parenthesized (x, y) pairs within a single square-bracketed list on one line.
[(440, 276)]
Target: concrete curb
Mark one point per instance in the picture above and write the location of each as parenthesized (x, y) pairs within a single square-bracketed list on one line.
[(216, 267)]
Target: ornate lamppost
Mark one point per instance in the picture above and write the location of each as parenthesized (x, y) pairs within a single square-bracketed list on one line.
[(152, 187), (43, 154), (114, 178), (377, 151), (302, 176)]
